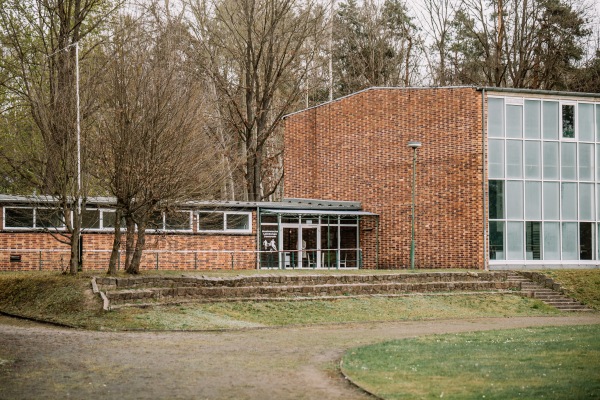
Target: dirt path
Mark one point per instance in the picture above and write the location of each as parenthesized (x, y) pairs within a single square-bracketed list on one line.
[(282, 363)]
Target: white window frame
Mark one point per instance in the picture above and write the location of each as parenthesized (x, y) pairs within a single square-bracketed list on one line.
[(21, 228), (575, 122), (224, 229), (35, 225)]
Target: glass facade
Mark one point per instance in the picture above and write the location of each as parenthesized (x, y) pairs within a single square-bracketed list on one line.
[(301, 240), (544, 179)]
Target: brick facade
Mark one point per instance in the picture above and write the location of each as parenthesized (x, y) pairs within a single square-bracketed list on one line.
[(42, 251), (356, 149)]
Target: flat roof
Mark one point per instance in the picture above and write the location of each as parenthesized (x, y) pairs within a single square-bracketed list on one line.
[(558, 93), (290, 204), (317, 212)]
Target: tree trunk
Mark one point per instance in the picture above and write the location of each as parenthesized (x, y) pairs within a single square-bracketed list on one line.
[(129, 241), (134, 268), (115, 253)]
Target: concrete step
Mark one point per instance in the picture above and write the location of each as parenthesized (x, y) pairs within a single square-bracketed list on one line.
[(548, 295)]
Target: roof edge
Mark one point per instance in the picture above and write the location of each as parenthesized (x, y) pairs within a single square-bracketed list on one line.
[(379, 88), (538, 91)]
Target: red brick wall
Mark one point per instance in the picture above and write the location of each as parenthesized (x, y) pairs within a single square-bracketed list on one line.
[(356, 149), (175, 251)]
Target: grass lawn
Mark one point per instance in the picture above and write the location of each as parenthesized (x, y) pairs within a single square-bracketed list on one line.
[(550, 363)]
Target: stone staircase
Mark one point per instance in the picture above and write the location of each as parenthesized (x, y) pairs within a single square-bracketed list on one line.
[(147, 290), (538, 286)]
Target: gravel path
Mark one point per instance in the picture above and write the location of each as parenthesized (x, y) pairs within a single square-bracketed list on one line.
[(38, 362)]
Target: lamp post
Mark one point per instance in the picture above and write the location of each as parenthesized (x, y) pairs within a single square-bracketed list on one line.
[(413, 145)]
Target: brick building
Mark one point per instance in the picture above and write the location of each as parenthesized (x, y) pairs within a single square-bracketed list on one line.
[(294, 233), (505, 178)]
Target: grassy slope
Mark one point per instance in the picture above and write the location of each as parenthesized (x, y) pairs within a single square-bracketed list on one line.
[(583, 285), (68, 300), (555, 363)]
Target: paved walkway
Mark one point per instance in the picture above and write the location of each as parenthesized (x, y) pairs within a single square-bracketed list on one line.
[(39, 362)]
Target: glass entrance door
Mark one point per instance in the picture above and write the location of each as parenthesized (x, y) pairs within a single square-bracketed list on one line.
[(310, 247), (300, 246), (290, 247)]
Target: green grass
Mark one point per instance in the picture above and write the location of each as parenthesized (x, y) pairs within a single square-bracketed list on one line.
[(550, 363), (69, 300), (583, 285), (380, 309)]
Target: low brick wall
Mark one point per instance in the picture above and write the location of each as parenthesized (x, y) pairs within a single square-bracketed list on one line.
[(139, 290), (109, 283)]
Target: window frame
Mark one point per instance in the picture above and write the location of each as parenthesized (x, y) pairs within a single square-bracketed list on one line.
[(561, 135), (34, 226), (224, 228)]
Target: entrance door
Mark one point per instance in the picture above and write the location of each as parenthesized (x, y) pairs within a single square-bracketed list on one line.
[(300, 246), (310, 247), (290, 246)]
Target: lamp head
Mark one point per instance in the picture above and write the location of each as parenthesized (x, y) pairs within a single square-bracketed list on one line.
[(414, 145)]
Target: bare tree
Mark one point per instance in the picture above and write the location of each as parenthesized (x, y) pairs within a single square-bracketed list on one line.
[(255, 55), (154, 155), (40, 42), (437, 17)]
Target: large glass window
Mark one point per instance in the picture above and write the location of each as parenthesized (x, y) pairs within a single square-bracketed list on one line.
[(497, 240), (514, 121), (533, 160), (225, 221), (568, 121), (568, 160), (533, 200), (598, 126), (586, 201), (211, 221), (532, 119), (108, 219), (598, 163), (48, 218), (586, 241), (586, 162), (155, 221), (568, 201), (514, 241), (586, 122), (514, 199), (178, 221), (533, 245), (514, 158), (496, 159), (544, 191), (551, 200), (496, 202), (90, 219), (570, 249), (550, 160), (495, 117), (551, 241), (550, 120), (238, 221), (18, 217)]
